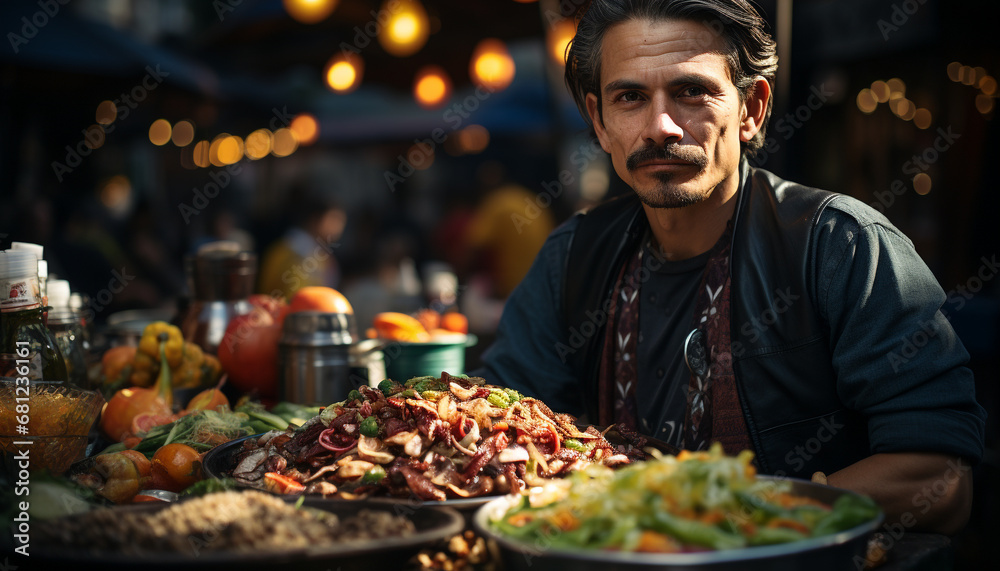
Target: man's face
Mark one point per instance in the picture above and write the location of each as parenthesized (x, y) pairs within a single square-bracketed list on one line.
[(672, 118)]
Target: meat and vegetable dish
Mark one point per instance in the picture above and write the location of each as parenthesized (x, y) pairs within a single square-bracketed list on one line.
[(429, 438), (692, 502)]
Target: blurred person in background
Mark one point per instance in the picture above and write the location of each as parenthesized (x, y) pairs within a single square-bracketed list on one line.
[(305, 255), (502, 237)]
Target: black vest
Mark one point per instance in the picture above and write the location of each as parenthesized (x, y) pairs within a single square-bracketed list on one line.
[(780, 346)]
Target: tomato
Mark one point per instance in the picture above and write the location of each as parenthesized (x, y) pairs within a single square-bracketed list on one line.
[(276, 306), (248, 352), (280, 484), (319, 298), (181, 463)]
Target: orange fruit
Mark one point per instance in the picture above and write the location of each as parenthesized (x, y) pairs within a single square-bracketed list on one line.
[(319, 298), (208, 399), (114, 361), (429, 318), (455, 321), (400, 327), (181, 463)]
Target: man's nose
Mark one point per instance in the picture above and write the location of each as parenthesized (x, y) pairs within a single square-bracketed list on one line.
[(662, 129)]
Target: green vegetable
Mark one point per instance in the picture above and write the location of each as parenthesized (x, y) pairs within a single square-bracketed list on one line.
[(353, 395), (414, 381), (773, 535), (369, 427), (848, 511), (388, 387), (373, 476), (513, 395), (210, 486), (294, 413), (432, 395), (498, 398), (574, 444), (694, 532)]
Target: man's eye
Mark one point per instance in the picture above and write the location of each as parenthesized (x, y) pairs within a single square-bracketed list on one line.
[(693, 91), (630, 96)]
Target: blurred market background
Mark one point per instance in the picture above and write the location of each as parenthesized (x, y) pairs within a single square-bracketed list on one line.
[(438, 137)]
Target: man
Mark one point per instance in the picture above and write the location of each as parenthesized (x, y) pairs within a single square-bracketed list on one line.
[(721, 303)]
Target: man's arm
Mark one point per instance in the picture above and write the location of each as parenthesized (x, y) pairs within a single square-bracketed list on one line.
[(528, 354), (921, 491), (900, 364)]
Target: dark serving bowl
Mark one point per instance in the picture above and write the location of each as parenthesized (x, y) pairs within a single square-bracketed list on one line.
[(834, 552), (433, 525)]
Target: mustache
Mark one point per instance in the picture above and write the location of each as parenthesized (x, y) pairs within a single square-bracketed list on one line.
[(670, 151)]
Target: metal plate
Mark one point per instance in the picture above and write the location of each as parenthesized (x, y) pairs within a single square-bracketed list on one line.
[(834, 552), (433, 525)]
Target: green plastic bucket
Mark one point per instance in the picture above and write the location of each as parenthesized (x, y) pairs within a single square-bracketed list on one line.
[(407, 360)]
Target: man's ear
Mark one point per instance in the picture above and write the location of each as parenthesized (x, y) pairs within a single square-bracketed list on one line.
[(755, 109), (595, 120)]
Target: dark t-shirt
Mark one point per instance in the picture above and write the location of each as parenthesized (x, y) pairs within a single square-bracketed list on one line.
[(666, 313)]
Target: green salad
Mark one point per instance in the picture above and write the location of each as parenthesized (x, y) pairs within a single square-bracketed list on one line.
[(691, 502)]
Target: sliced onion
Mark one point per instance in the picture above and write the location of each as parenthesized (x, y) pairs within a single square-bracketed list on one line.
[(513, 453)]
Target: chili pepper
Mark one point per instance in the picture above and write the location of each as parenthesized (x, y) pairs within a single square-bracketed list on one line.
[(282, 484), (849, 510)]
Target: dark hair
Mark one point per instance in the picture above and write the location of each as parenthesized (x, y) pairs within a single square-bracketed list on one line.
[(749, 49)]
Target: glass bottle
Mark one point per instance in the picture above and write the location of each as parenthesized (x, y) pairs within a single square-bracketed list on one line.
[(21, 325), (65, 325)]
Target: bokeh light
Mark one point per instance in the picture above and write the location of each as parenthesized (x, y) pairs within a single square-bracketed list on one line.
[(200, 154), (94, 137), (159, 132), (183, 133), (560, 35), (984, 103), (922, 118), (406, 30), (866, 101), (953, 71), (310, 11), (491, 65), (106, 113), (115, 193), (284, 143), (473, 139), (213, 150), (880, 90), (258, 144), (344, 72), (922, 183), (432, 87), (897, 88), (988, 85), (306, 129), (230, 150)]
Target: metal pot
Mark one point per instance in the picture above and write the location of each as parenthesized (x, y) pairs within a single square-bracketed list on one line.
[(314, 357)]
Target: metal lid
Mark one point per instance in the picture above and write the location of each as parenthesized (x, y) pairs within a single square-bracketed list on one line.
[(317, 329)]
